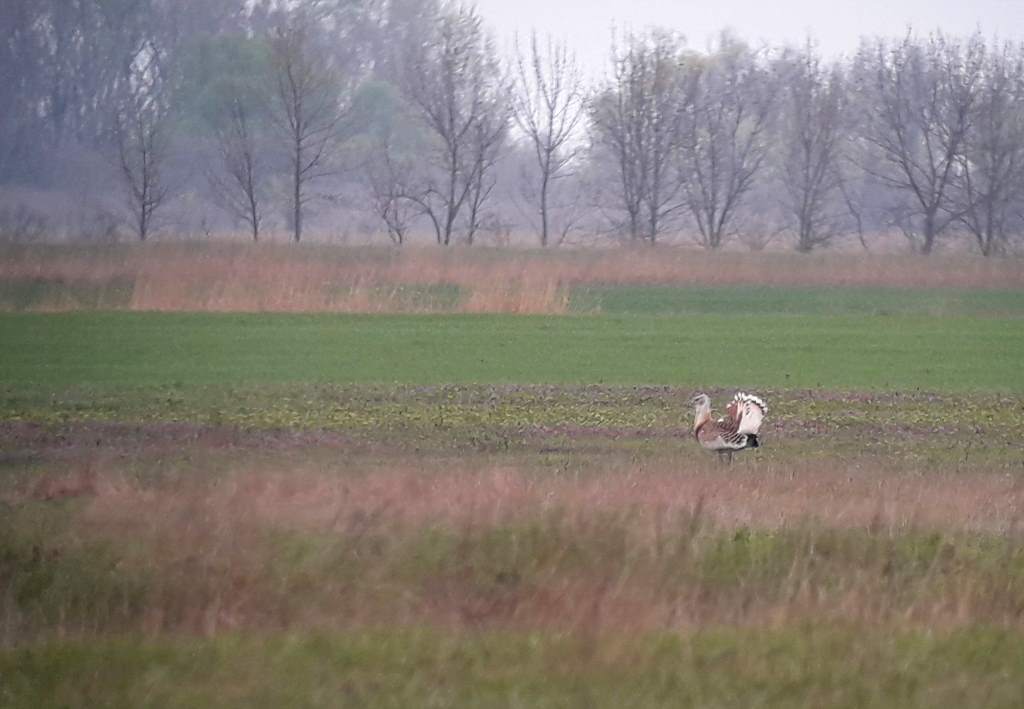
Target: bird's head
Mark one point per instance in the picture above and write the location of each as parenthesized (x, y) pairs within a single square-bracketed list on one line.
[(701, 410)]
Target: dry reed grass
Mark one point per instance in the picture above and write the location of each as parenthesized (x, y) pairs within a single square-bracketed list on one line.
[(635, 550), (278, 278), (761, 497)]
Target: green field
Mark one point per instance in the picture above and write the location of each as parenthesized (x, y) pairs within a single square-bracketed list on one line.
[(773, 301), (812, 667), (116, 350), (242, 509)]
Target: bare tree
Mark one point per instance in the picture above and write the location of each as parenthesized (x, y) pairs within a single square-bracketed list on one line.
[(811, 132), (308, 106), (24, 69), (454, 80), (728, 107), (388, 177), (547, 105), (488, 138), (636, 120), (989, 175), (919, 99), (238, 184), (141, 127), (387, 142), (853, 191)]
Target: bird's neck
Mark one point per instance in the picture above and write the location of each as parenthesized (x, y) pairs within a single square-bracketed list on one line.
[(701, 414)]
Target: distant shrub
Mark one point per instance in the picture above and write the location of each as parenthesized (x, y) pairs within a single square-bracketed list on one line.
[(20, 224)]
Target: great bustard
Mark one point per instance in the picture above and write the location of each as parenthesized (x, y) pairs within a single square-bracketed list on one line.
[(735, 431)]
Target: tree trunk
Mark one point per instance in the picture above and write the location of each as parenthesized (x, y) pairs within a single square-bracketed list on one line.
[(806, 243), (297, 200), (715, 236), (450, 210), (634, 225), (929, 233), (449, 225), (144, 192), (544, 209), (652, 222), (254, 212), (143, 225)]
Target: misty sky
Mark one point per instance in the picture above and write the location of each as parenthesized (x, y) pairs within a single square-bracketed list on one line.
[(836, 24)]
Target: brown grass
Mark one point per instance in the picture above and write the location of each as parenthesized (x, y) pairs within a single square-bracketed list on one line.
[(761, 497), (279, 278), (503, 547)]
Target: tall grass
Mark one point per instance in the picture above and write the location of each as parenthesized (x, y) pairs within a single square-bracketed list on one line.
[(632, 552), (223, 277), (801, 666)]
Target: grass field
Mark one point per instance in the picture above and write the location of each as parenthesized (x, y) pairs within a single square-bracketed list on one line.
[(774, 301), (822, 667), (767, 350), (457, 509)]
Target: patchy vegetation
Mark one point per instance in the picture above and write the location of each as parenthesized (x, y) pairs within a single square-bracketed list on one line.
[(950, 431), (361, 544), (413, 576), (226, 277), (395, 509), (804, 664)]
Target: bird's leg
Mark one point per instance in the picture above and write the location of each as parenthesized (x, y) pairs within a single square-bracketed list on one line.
[(728, 457)]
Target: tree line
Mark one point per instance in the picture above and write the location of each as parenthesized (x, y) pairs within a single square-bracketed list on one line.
[(404, 109)]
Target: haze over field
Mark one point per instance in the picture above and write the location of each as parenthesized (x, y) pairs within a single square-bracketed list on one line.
[(837, 26), (352, 354), (739, 126)]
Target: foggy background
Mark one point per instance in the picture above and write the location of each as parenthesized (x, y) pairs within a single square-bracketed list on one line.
[(877, 126), (837, 26)]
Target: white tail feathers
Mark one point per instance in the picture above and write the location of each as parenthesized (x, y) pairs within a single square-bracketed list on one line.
[(751, 410)]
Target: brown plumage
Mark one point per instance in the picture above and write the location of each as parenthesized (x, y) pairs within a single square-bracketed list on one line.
[(734, 432)]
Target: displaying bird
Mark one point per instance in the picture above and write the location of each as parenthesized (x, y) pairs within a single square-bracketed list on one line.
[(733, 432)]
